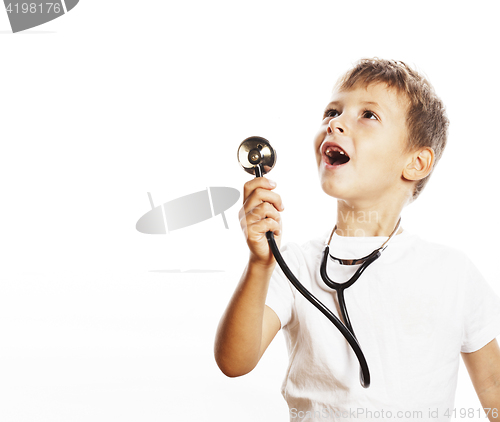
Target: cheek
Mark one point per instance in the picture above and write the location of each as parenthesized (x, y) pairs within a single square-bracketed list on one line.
[(318, 139), (385, 164)]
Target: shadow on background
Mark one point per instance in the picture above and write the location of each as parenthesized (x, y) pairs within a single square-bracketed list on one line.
[(29, 32), (187, 271)]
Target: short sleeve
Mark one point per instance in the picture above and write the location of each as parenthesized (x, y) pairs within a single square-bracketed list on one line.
[(481, 317), (280, 297)]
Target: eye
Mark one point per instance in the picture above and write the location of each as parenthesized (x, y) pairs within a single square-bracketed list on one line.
[(370, 115), (331, 112)]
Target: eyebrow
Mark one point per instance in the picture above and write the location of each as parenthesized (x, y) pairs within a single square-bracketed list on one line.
[(373, 103), (376, 105), (333, 103), (364, 103)]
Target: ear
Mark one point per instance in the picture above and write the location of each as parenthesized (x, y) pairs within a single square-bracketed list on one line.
[(419, 164)]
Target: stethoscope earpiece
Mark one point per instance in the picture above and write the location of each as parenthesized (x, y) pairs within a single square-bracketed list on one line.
[(256, 153)]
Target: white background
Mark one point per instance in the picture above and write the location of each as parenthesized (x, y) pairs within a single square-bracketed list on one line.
[(120, 98)]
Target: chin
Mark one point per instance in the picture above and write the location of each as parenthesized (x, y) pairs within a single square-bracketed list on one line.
[(346, 192), (332, 189)]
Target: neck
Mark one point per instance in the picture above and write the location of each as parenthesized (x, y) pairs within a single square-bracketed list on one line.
[(366, 221)]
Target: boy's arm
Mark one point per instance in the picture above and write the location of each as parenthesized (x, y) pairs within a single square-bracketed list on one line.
[(248, 325), (484, 370)]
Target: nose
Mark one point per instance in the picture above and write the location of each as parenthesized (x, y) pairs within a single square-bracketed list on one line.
[(335, 125)]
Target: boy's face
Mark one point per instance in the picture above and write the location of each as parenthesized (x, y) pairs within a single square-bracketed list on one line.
[(361, 144)]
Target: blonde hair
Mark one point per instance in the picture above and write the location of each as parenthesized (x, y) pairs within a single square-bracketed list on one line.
[(426, 118)]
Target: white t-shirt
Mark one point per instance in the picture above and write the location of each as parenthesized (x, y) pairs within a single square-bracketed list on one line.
[(413, 311)]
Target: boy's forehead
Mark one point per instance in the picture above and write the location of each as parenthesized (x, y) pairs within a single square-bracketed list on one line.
[(377, 93)]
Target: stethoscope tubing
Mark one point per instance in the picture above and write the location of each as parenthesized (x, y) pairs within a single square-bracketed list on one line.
[(346, 327), (346, 330)]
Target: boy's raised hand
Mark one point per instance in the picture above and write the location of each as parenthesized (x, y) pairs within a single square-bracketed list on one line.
[(260, 214)]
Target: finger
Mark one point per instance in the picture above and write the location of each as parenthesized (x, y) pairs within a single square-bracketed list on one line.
[(260, 195), (258, 182), (259, 229), (262, 211)]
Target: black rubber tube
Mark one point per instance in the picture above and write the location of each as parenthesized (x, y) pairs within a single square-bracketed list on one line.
[(364, 374), (336, 286)]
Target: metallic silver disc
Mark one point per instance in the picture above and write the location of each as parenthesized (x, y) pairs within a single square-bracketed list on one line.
[(256, 151)]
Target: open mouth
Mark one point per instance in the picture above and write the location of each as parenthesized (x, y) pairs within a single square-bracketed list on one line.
[(336, 156)]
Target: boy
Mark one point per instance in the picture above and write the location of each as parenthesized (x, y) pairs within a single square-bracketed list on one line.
[(413, 311)]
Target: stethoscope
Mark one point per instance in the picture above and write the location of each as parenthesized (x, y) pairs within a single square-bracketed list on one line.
[(257, 157)]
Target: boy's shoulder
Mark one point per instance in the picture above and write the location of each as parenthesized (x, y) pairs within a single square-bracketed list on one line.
[(435, 249), (433, 246)]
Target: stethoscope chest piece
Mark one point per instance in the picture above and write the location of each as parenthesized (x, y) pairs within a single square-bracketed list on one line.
[(256, 152)]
